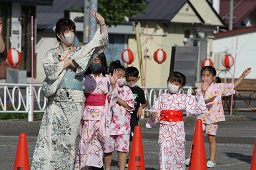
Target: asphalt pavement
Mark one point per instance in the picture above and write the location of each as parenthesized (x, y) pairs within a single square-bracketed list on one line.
[(235, 142)]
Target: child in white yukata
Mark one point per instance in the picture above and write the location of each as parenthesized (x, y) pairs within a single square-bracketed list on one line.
[(215, 112), (167, 110), (120, 126)]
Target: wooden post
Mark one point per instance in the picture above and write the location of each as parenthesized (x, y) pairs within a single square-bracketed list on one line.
[(139, 53)]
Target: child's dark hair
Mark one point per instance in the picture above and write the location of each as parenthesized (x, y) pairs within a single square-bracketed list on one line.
[(211, 69), (115, 65), (104, 66), (132, 71), (218, 80), (64, 25), (177, 77)]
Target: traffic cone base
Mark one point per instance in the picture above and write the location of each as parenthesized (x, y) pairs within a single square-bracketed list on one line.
[(22, 159), (136, 160)]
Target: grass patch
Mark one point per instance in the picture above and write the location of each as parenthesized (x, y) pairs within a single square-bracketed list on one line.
[(235, 112), (9, 107), (6, 116)]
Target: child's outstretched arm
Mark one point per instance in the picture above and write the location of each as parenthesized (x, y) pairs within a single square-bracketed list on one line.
[(241, 78)]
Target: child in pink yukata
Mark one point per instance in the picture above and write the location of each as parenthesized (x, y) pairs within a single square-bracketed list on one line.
[(167, 110), (215, 112), (100, 95), (120, 126)]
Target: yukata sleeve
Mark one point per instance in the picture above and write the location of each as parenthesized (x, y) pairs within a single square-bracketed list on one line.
[(226, 89), (54, 74), (52, 69), (155, 108), (105, 122), (195, 104), (128, 98), (85, 54)]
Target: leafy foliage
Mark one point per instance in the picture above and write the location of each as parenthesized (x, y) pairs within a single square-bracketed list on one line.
[(114, 11)]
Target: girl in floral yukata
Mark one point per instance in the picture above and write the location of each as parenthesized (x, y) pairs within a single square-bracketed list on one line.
[(167, 109), (64, 67), (100, 95), (215, 112), (120, 126)]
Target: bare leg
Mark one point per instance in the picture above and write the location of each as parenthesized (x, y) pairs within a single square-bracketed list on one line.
[(213, 147), (107, 160), (121, 160)]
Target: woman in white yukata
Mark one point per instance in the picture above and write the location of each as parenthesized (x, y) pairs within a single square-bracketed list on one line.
[(167, 110), (64, 67), (100, 95)]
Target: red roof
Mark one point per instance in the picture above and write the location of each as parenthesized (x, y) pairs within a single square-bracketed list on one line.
[(242, 8), (238, 31)]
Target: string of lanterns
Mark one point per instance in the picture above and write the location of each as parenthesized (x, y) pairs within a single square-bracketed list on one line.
[(227, 61), (128, 56), (160, 56)]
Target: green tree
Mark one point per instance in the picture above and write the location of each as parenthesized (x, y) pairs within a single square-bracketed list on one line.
[(114, 11)]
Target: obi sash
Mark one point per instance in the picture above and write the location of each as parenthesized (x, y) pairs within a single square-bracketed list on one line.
[(95, 99), (171, 115)]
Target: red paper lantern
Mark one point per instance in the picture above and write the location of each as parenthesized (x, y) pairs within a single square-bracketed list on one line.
[(207, 62), (160, 56), (13, 57), (128, 56), (228, 61)]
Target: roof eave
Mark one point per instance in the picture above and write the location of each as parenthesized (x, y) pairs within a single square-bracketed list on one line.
[(33, 2)]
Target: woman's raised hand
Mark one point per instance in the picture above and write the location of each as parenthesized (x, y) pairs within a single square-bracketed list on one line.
[(100, 20)]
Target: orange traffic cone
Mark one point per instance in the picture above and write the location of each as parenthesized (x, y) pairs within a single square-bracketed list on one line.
[(198, 155), (22, 160), (136, 160), (253, 164)]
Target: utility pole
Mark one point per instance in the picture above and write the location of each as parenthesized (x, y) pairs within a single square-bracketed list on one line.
[(231, 14), (86, 21), (93, 22)]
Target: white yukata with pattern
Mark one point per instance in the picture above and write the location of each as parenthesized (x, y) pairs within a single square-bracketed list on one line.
[(56, 143), (172, 134)]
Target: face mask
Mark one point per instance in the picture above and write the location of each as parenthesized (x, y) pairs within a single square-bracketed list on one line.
[(69, 38), (95, 67), (173, 88), (132, 85), (121, 82)]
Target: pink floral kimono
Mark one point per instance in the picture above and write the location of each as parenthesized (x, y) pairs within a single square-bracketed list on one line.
[(97, 115)]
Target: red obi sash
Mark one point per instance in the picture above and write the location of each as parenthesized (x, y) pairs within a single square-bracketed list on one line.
[(171, 115), (95, 99)]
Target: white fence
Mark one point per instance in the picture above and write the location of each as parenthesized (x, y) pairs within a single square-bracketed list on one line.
[(22, 99)]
